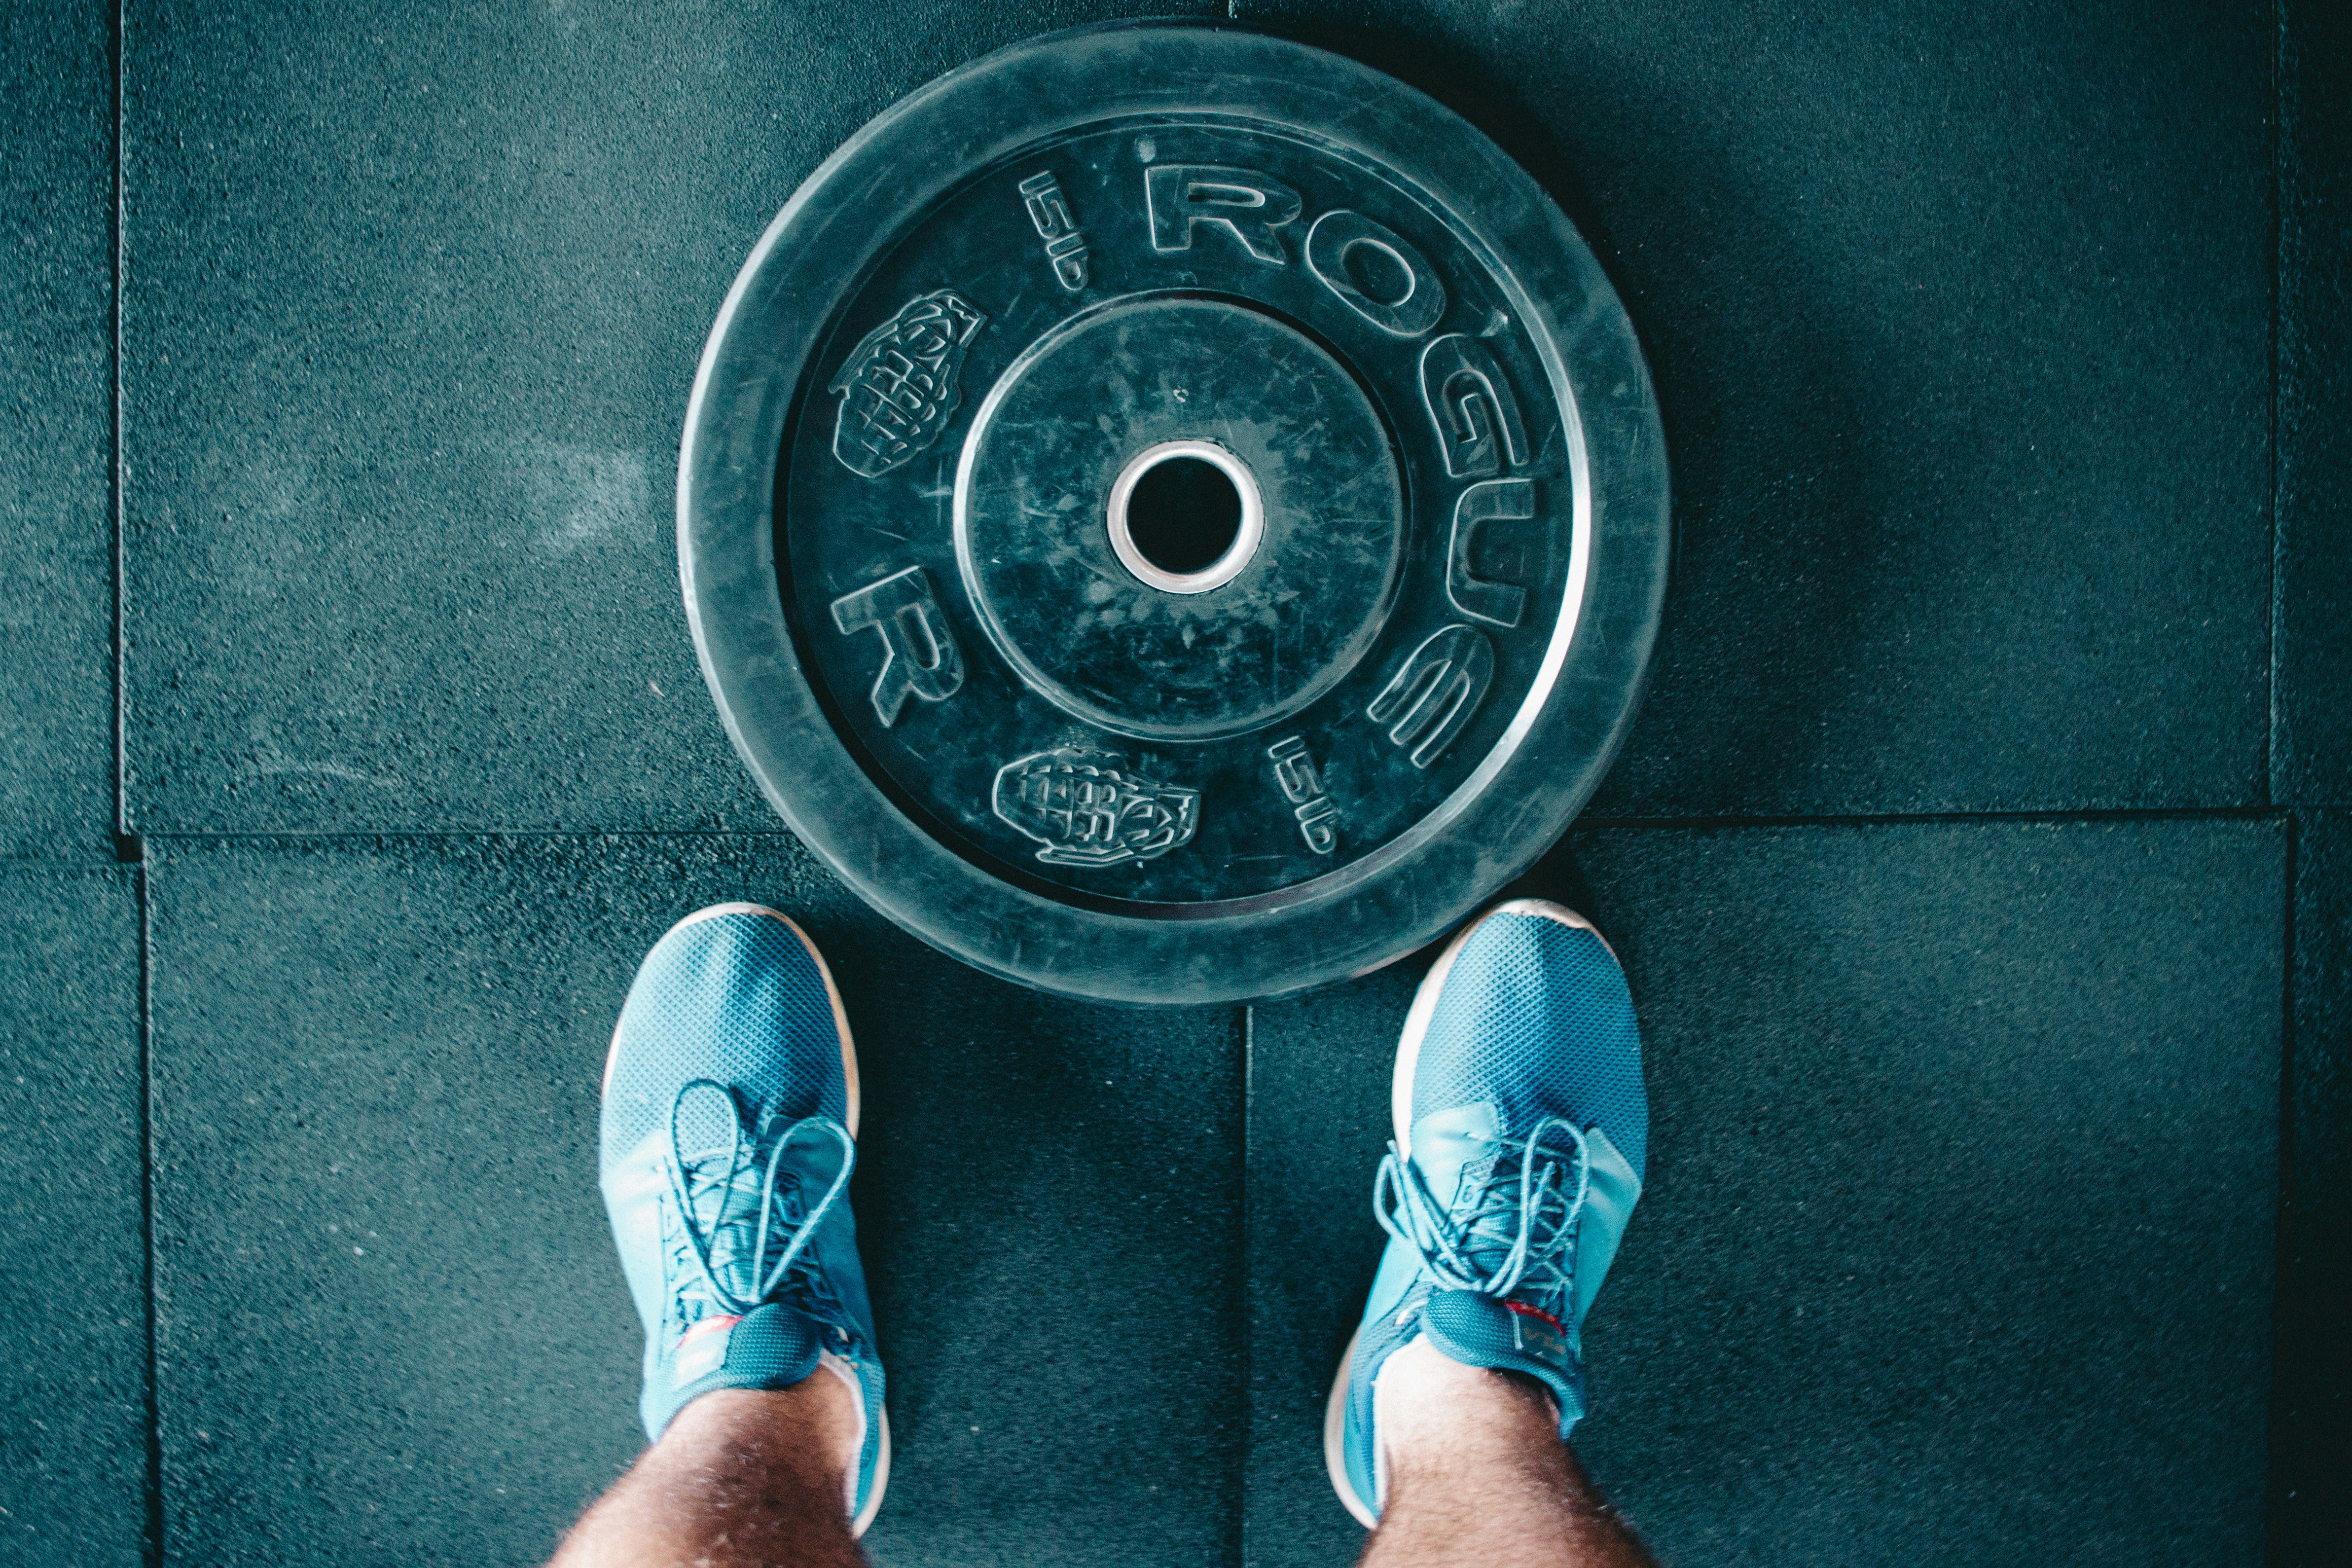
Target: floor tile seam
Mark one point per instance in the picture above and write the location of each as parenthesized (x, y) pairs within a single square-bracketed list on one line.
[(152, 1551), (2274, 768), (2278, 1434), (1238, 1540), (1930, 818), (1824, 819), (91, 861), (454, 834), (119, 717)]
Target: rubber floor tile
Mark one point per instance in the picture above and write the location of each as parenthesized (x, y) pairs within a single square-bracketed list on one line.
[(56, 532), (1962, 341), (393, 1329), (413, 300), (2311, 1436), (2312, 750), (1960, 1217), (73, 1297)]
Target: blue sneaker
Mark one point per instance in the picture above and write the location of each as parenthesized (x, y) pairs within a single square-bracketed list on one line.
[(730, 1119), (1521, 1128)]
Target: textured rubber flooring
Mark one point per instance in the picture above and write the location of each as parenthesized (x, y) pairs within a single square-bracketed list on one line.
[(1982, 861), (1921, 1242)]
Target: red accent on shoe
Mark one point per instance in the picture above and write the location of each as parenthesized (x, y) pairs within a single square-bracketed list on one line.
[(712, 1325), (1524, 1311)]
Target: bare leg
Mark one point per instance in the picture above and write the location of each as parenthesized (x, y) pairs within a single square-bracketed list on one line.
[(1477, 1474), (742, 1479)]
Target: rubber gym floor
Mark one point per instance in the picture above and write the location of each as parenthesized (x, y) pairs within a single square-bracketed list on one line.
[(1982, 859)]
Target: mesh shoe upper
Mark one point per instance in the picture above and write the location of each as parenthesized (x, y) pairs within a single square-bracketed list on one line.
[(1522, 1133), (730, 1100), (735, 997), (1535, 1016)]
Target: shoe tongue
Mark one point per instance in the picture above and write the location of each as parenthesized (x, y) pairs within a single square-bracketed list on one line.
[(1455, 1150), (732, 1248), (1508, 1336), (1452, 1144), (727, 1209)]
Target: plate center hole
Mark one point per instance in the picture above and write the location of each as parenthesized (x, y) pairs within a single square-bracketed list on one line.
[(1183, 515)]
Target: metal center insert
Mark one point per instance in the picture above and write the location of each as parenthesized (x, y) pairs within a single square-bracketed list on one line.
[(1248, 530)]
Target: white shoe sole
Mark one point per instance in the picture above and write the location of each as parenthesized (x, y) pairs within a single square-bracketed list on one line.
[(1335, 1439), (881, 1479)]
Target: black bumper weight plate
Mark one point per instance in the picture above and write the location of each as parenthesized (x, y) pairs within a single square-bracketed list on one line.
[(1174, 515)]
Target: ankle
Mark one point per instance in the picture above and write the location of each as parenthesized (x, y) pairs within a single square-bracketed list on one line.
[(809, 1428), (739, 1479), (1435, 1412)]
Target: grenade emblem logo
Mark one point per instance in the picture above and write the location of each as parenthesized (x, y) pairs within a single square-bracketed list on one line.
[(898, 387), (1087, 808)]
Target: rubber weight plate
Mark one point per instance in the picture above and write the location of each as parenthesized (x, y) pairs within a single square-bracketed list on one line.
[(1174, 515)]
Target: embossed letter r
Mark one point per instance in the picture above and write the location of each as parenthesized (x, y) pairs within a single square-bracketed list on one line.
[(919, 653), (1243, 201)]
